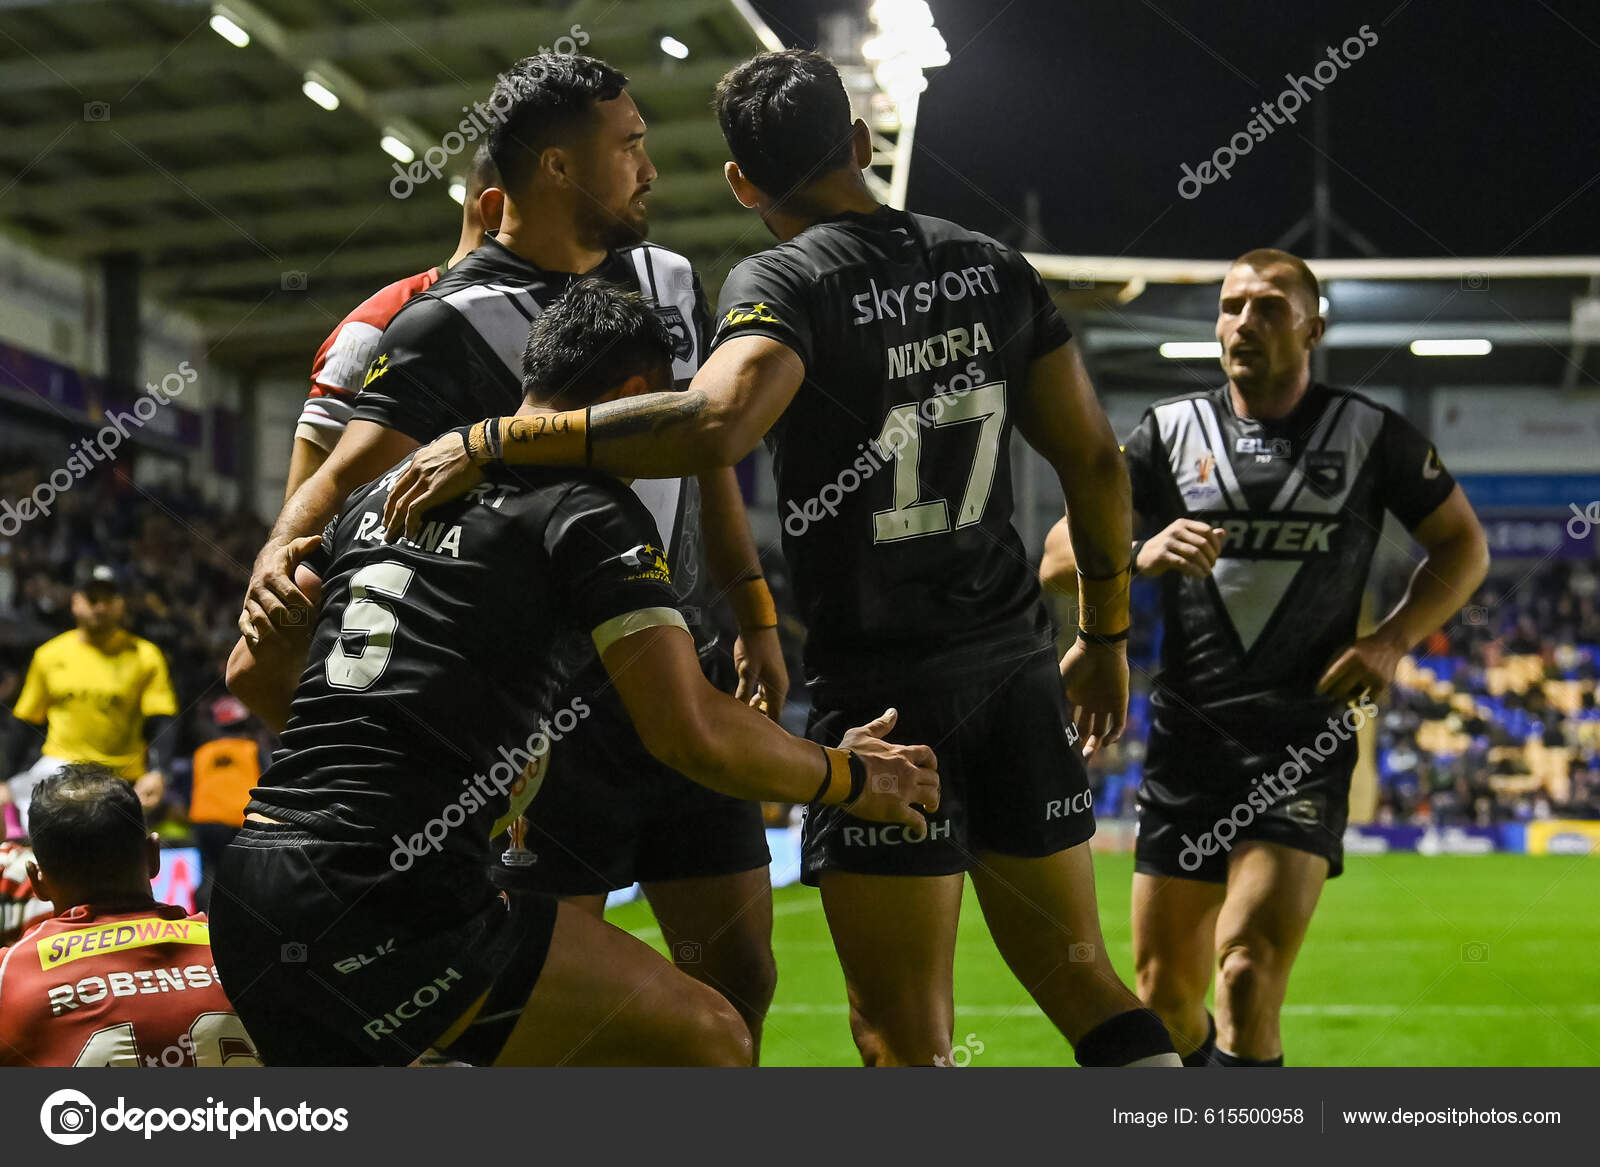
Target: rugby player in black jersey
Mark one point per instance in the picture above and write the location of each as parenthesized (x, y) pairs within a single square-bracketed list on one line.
[(356, 920), (569, 146), (1266, 498), (887, 357)]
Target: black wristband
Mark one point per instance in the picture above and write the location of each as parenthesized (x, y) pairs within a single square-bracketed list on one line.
[(494, 439), (1133, 567), (1105, 578), (858, 779), (827, 775), (1104, 641)]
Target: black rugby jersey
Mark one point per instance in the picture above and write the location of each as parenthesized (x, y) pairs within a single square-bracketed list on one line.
[(1302, 499), (453, 356), (436, 661), (893, 460)]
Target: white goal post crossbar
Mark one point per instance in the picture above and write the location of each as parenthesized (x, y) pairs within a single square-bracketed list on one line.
[(1107, 269)]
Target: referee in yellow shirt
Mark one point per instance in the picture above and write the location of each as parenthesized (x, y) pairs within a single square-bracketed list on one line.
[(96, 689)]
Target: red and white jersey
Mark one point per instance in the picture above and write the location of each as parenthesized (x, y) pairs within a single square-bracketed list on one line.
[(118, 985), (341, 363), (18, 906)]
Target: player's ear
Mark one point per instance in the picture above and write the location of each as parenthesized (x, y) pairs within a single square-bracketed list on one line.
[(39, 882), (553, 164), (861, 144), (152, 854), (1315, 330), (491, 205), (743, 189)]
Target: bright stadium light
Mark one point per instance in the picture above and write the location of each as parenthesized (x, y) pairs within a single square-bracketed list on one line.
[(673, 47), (905, 45), (396, 148), (320, 93), (1188, 350), (1451, 348), (229, 31), (458, 191), (1322, 305)]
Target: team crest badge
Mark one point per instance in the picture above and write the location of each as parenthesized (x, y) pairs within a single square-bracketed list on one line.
[(678, 329), (1325, 471)]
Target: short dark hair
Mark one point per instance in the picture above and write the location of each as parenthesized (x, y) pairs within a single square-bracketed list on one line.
[(539, 101), (482, 172), (589, 341), (87, 826), (786, 118), (1271, 257)]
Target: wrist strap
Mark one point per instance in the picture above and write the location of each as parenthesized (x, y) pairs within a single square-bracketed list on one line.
[(1103, 641), (1103, 601), (752, 604), (1133, 564), (839, 783)]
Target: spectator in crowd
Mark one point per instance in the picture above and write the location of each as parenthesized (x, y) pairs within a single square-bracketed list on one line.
[(103, 693), (140, 987)]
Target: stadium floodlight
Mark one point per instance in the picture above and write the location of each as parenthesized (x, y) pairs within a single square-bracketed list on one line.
[(673, 47), (905, 46), (458, 191), (1189, 350), (320, 93), (224, 27), (1451, 348), (396, 148)]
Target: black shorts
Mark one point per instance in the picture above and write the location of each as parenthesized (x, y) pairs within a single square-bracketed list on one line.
[(609, 816), (1010, 779), (332, 959), (1206, 790)]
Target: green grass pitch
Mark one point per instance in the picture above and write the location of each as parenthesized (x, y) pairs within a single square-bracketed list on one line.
[(1487, 960)]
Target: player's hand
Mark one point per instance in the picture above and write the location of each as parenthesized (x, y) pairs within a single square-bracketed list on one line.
[(1095, 680), (273, 605), (902, 781), (439, 472), (151, 787), (763, 677), (1188, 546), (1365, 669)]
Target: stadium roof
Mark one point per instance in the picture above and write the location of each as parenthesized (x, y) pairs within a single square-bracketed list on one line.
[(135, 126)]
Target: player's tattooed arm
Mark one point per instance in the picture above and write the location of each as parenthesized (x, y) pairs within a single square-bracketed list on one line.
[(735, 398)]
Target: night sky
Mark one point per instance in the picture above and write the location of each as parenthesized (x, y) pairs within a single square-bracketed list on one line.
[(1470, 127)]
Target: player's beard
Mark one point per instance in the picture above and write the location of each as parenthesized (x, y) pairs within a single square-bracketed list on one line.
[(603, 228)]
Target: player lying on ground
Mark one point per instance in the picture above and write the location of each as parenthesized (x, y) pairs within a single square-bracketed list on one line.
[(1267, 498), (355, 911), (890, 356), (575, 178), (113, 978)]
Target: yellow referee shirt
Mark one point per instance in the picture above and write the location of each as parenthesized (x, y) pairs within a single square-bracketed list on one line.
[(95, 702)]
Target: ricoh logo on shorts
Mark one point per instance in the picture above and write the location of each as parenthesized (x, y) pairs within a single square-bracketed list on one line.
[(69, 1117), (1282, 786), (893, 835), (424, 998), (1065, 808)]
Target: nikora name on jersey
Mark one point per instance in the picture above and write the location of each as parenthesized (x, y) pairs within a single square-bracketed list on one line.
[(938, 350)]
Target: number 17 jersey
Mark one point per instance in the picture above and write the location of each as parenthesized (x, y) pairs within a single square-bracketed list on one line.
[(892, 461)]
